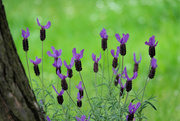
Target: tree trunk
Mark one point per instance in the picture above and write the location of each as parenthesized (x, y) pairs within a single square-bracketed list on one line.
[(17, 100)]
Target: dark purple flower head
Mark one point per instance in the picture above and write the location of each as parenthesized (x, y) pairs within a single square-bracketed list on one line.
[(103, 34), (70, 65), (135, 58), (154, 63), (48, 119), (83, 118), (77, 56), (57, 63), (56, 53), (122, 40), (61, 75), (151, 42), (80, 86), (59, 94), (94, 58), (26, 34), (46, 26), (37, 61), (79, 97), (127, 77), (132, 110), (117, 52)]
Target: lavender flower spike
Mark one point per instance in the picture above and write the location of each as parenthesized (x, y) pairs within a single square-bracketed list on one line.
[(57, 64), (56, 53), (152, 46), (132, 111), (25, 35), (96, 62), (36, 68), (70, 72), (79, 102), (153, 68), (80, 89), (63, 80), (104, 37), (136, 65), (129, 80), (82, 118), (59, 97), (42, 31), (77, 57), (115, 60), (122, 87)]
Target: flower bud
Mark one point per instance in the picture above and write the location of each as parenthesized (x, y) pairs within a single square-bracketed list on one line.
[(78, 65), (128, 85), (25, 45)]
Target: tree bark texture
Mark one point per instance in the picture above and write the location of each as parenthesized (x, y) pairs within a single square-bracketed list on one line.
[(17, 100)]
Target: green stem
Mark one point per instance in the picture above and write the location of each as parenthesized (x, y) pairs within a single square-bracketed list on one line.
[(103, 73), (108, 65), (43, 97), (69, 98), (96, 84), (64, 111), (29, 71), (73, 102), (111, 83)]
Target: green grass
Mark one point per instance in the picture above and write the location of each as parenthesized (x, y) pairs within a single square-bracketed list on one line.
[(78, 23)]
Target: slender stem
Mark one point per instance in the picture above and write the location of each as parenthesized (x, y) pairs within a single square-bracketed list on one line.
[(43, 89), (42, 72), (69, 98), (73, 101), (103, 73), (29, 71), (121, 76), (126, 98), (96, 83), (147, 79), (63, 111), (111, 83), (108, 65)]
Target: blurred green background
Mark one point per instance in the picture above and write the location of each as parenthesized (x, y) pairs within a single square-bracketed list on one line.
[(77, 23)]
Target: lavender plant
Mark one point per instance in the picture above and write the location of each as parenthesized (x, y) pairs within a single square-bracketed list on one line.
[(107, 106)]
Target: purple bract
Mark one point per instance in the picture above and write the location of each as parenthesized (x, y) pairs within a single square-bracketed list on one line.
[(135, 58), (94, 58), (122, 40), (25, 34), (59, 94), (117, 52), (80, 86), (151, 42), (37, 61), (127, 77), (103, 34), (154, 63), (46, 26), (56, 53), (57, 63), (70, 65)]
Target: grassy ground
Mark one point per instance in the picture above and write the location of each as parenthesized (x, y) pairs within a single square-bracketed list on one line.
[(78, 23)]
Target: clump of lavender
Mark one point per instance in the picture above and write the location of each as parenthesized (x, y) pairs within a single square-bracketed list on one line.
[(36, 68), (64, 84), (25, 35), (129, 80), (80, 89), (77, 57), (96, 62), (152, 46), (69, 67), (59, 97), (83, 118), (42, 31), (132, 111), (136, 65), (122, 40), (115, 60), (104, 37), (153, 68), (79, 102)]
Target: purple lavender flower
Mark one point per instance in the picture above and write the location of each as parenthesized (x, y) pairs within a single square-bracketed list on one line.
[(80, 88), (48, 119), (153, 68), (25, 35), (117, 76), (115, 60), (59, 97), (104, 37), (83, 118), (152, 46), (122, 40), (56, 53), (63, 80), (96, 62), (122, 87), (79, 102), (70, 72), (129, 80), (136, 65), (42, 31), (77, 57), (57, 64), (132, 111), (36, 68)]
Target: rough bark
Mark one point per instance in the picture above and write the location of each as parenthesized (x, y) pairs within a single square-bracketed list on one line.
[(17, 100)]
